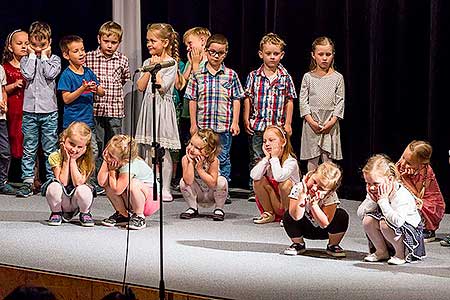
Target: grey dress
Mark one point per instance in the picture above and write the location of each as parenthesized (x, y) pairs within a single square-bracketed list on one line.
[(322, 98)]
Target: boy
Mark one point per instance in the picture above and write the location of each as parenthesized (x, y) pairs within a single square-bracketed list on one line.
[(40, 110), (195, 40), (269, 95), (214, 94), (78, 84), (5, 155), (112, 69)]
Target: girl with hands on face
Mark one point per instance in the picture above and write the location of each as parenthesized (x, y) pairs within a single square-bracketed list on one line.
[(389, 215), (314, 211), (201, 184), (72, 165), (274, 175)]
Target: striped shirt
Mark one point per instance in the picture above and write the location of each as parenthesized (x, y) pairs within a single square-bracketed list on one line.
[(112, 73), (268, 98), (214, 95)]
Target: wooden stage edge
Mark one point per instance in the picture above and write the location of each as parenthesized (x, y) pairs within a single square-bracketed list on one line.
[(70, 287)]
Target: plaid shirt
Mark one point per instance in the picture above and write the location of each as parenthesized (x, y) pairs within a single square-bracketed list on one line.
[(112, 73), (268, 100), (214, 95)]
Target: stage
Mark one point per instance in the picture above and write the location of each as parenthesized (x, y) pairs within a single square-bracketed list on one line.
[(234, 259)]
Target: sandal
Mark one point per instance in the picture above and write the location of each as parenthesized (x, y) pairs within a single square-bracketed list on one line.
[(266, 217), (218, 215), (189, 213)]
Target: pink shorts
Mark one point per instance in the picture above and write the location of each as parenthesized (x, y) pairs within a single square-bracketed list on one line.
[(150, 206)]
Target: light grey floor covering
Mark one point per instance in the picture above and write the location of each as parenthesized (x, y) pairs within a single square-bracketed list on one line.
[(231, 259)]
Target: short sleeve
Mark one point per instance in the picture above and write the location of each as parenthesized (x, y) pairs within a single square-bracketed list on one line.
[(296, 190), (55, 159)]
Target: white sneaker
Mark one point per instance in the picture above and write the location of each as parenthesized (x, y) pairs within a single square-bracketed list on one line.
[(374, 257), (394, 260)]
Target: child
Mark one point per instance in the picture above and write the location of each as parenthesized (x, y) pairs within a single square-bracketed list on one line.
[(214, 94), (418, 177), (78, 84), (195, 40), (314, 213), (114, 176), (112, 69), (389, 214), (5, 156), (269, 93), (201, 184), (162, 43), (275, 174), (321, 106), (15, 48), (72, 165), (40, 110)]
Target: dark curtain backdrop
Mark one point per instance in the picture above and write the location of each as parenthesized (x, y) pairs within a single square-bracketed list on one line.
[(393, 55)]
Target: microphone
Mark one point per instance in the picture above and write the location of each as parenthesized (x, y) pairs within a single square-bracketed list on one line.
[(152, 66)]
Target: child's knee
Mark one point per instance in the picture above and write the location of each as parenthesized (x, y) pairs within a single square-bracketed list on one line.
[(285, 186), (222, 184), (83, 191), (54, 188)]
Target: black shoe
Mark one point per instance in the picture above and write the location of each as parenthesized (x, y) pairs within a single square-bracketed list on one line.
[(335, 251), (429, 236), (189, 213), (228, 200), (86, 219), (24, 191), (115, 219), (137, 222), (295, 249), (7, 189)]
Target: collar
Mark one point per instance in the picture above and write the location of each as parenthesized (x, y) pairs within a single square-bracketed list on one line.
[(220, 71), (99, 53), (281, 70)]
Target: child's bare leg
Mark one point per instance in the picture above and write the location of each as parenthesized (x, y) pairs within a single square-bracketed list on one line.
[(190, 193), (373, 231), (395, 240), (54, 196), (220, 192), (137, 197), (285, 189), (117, 201), (83, 197), (262, 191)]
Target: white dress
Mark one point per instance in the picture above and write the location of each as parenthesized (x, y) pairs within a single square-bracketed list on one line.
[(166, 120)]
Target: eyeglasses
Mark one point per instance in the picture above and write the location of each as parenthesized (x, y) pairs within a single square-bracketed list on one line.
[(216, 53)]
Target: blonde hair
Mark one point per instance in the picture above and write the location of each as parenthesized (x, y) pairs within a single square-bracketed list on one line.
[(110, 28), (197, 31), (8, 55), (421, 151), (272, 38), (212, 143), (288, 150), (217, 39), (382, 165), (124, 146), (67, 40), (85, 163), (320, 41), (330, 175), (166, 31), (40, 31)]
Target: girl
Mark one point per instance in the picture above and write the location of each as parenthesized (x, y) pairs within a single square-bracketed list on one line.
[(321, 106), (314, 213), (120, 164), (418, 177), (389, 214), (162, 43), (201, 183), (72, 165), (15, 48), (274, 176)]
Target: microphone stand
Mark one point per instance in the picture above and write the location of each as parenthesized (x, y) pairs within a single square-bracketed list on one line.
[(157, 153)]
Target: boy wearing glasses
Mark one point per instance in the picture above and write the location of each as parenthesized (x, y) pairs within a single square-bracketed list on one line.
[(214, 94)]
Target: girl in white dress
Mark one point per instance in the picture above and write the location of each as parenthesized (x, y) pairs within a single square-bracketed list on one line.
[(162, 43)]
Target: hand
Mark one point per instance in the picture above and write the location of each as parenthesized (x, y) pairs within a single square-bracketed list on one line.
[(327, 127), (199, 162), (277, 151), (18, 84), (47, 51), (79, 154), (155, 59), (193, 130), (112, 165), (248, 127), (30, 49), (234, 129), (196, 55), (288, 129), (64, 152), (315, 126), (384, 189), (372, 191), (3, 106), (419, 203), (302, 192), (266, 153)]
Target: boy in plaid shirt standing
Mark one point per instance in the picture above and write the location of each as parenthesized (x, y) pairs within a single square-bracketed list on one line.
[(112, 70), (214, 94), (269, 95)]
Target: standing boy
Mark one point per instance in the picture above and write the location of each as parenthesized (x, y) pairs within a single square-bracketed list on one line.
[(40, 110), (269, 95), (5, 154), (214, 94)]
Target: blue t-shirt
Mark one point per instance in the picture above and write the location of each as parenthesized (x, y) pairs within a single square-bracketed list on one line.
[(81, 109)]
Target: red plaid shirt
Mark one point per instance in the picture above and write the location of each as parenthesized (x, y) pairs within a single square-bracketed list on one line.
[(112, 73)]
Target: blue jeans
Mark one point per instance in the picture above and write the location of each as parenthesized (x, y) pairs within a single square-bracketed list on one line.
[(255, 143), (35, 126), (224, 156), (5, 155)]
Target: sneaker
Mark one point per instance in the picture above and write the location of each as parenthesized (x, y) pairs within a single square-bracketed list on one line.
[(137, 222), (86, 219), (189, 213), (335, 251), (445, 241), (55, 219), (7, 189), (429, 235), (394, 260), (373, 257), (295, 249), (99, 190), (24, 191), (175, 184), (251, 197), (266, 217), (115, 219), (67, 216), (228, 200)]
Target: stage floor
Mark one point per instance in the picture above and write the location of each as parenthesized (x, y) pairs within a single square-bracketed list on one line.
[(232, 259)]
